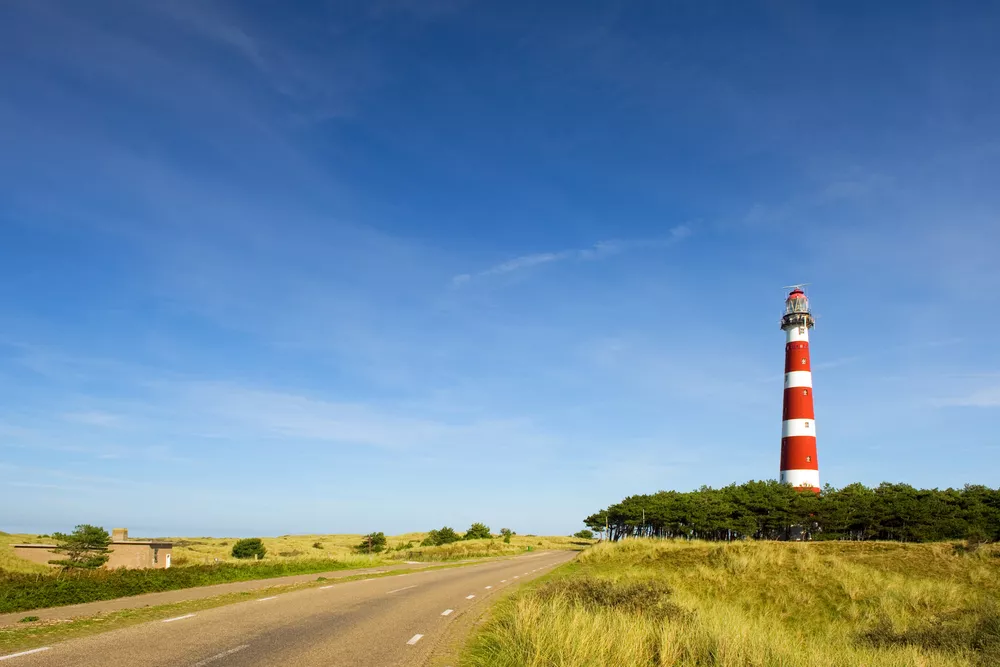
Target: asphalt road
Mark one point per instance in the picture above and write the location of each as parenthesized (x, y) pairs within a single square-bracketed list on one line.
[(387, 621)]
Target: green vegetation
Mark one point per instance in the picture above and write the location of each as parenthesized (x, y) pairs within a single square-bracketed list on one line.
[(673, 602), (441, 536), (23, 591), (86, 548), (251, 547), (28, 619), (769, 510), (372, 543), (584, 534), (507, 534), (478, 531)]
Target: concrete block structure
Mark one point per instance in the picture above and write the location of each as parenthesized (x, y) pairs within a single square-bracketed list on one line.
[(131, 554)]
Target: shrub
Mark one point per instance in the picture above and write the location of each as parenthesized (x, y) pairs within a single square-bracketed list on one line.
[(404, 547), (478, 531), (584, 534), (445, 535), (250, 547), (28, 619), (372, 543), (317, 545), (506, 532)]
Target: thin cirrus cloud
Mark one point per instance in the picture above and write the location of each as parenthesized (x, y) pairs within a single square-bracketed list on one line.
[(597, 251)]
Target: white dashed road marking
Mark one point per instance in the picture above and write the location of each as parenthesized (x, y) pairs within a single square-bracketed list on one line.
[(446, 612), (414, 639), (517, 576), (219, 656), (469, 597), (489, 587), (18, 655), (273, 597), (402, 589), (177, 618), (323, 588), (503, 581)]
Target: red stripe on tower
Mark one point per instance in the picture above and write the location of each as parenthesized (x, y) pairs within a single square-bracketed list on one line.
[(799, 466)]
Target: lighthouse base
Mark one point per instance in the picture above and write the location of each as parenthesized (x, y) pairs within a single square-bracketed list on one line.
[(801, 479)]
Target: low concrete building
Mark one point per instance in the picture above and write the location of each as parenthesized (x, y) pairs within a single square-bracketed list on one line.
[(131, 554)]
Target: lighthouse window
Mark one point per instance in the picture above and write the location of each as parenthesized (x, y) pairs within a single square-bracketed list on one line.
[(807, 424), (805, 392), (809, 459), (803, 362)]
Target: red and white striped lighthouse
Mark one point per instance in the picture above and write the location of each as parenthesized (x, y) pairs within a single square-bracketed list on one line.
[(798, 426)]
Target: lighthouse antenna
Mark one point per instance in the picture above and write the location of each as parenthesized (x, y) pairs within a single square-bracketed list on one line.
[(798, 286)]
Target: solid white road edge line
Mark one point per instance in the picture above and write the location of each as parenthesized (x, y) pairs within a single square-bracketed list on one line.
[(401, 589), (177, 618), (414, 639), (18, 655), (446, 612), (219, 656)]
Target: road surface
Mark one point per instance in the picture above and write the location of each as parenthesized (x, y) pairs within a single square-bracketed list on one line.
[(387, 621)]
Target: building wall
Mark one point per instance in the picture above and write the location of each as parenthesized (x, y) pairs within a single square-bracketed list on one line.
[(132, 555)]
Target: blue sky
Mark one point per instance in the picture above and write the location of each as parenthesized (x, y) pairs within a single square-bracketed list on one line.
[(390, 265)]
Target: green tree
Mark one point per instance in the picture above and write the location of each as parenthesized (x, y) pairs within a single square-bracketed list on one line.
[(249, 547), (584, 534), (506, 532), (87, 547), (478, 531), (372, 543)]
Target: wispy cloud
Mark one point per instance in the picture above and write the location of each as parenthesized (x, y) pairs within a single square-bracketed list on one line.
[(988, 397), (93, 418), (595, 252)]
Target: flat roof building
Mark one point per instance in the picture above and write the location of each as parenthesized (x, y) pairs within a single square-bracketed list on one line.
[(131, 554)]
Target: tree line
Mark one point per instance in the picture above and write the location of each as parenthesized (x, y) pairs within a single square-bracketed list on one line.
[(770, 510)]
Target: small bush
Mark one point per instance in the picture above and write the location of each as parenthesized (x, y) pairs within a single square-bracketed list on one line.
[(250, 547), (404, 547), (478, 531), (445, 535), (28, 619), (584, 534), (317, 545), (372, 543)]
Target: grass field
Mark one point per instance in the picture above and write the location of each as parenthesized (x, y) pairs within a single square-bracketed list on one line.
[(643, 602), (207, 550)]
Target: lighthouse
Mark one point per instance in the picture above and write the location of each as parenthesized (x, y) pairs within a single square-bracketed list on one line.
[(799, 466)]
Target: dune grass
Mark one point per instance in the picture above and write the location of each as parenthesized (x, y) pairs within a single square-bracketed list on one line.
[(338, 547), (643, 602)]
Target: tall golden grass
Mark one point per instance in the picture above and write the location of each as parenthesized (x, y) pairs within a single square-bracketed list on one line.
[(753, 603)]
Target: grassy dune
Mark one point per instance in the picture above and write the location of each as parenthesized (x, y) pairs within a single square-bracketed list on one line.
[(644, 602), (208, 550)]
